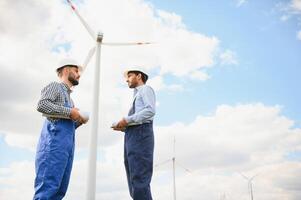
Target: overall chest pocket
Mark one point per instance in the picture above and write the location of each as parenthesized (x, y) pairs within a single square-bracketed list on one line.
[(61, 139)]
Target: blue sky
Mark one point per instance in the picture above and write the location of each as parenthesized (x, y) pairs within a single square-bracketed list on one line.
[(226, 75)]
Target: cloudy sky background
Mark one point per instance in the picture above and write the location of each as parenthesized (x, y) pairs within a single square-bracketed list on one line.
[(226, 75)]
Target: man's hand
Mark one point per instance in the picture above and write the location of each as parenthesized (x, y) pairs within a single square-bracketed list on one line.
[(118, 129), (75, 116), (121, 125)]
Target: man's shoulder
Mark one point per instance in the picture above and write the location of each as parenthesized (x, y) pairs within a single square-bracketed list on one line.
[(148, 89), (52, 86)]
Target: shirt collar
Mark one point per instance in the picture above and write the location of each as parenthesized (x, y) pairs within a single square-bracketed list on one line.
[(136, 89), (66, 87), (139, 87)]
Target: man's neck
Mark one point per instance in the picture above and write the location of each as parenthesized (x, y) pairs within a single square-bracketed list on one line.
[(139, 84), (67, 82)]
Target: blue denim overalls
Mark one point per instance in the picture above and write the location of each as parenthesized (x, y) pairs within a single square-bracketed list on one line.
[(54, 157)]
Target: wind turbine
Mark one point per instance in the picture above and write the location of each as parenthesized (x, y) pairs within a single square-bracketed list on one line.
[(250, 185), (91, 182), (173, 159)]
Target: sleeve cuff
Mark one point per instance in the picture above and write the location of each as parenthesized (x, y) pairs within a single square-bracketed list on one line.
[(67, 112), (129, 119)]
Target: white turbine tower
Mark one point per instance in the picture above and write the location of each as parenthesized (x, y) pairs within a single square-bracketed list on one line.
[(174, 163), (91, 182), (250, 185)]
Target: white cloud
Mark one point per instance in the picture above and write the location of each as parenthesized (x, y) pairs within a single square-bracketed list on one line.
[(199, 75), (180, 62), (22, 18), (290, 8), (26, 141), (228, 58), (296, 5), (17, 181), (237, 135), (240, 2), (299, 35), (284, 18), (158, 84), (171, 19)]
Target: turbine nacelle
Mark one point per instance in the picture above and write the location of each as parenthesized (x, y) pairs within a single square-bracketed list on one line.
[(99, 37)]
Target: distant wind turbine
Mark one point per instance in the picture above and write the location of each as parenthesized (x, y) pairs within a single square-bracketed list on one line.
[(250, 185), (173, 159)]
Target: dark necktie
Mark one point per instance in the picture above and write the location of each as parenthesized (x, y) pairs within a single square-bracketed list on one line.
[(132, 110)]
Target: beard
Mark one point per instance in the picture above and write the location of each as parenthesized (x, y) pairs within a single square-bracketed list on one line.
[(132, 84), (73, 80)]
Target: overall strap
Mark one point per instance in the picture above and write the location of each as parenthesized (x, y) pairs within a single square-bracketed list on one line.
[(67, 103)]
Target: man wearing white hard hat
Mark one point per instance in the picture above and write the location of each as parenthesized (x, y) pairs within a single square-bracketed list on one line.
[(139, 135), (55, 149)]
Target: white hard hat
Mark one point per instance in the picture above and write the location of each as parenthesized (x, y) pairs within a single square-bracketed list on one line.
[(68, 62), (139, 70)]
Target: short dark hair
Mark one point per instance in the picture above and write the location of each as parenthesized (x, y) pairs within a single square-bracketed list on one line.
[(144, 76)]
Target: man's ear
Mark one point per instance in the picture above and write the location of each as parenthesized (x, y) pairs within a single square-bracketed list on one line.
[(67, 69)]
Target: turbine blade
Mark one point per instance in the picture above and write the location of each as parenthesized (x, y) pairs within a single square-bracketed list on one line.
[(90, 31), (254, 176), (187, 170), (125, 43), (245, 177), (162, 163), (88, 58)]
